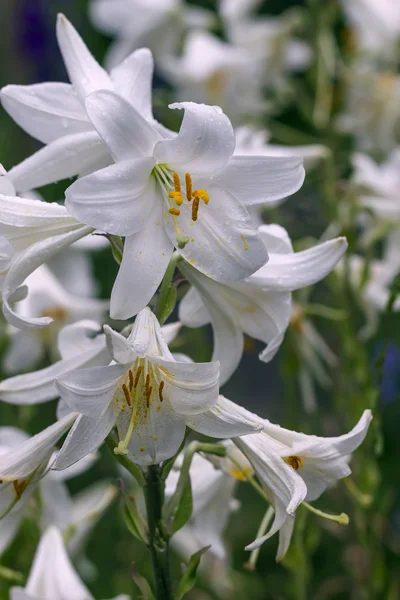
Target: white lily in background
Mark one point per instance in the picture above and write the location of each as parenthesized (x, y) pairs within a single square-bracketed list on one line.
[(47, 297), (216, 72), (234, 10), (54, 113), (188, 192), (260, 305), (79, 345), (293, 467), (52, 576), (146, 393), (158, 24)]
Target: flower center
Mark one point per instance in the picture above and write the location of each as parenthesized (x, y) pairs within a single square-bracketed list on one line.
[(140, 386), (294, 461), (176, 195)]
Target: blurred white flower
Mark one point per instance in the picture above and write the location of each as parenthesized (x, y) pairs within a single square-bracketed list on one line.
[(149, 395), (79, 345), (158, 24), (144, 198), (52, 576), (55, 114), (260, 305)]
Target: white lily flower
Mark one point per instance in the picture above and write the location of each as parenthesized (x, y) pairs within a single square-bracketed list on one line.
[(293, 467), (143, 196), (47, 297), (79, 346), (146, 393), (237, 9), (158, 24), (216, 72), (260, 305), (52, 575), (54, 113)]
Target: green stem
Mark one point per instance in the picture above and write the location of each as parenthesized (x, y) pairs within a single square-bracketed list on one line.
[(163, 308), (134, 470), (158, 544), (261, 531)]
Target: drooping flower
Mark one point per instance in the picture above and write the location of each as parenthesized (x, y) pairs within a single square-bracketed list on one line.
[(260, 305), (146, 393), (52, 575), (144, 197), (54, 113), (159, 24)]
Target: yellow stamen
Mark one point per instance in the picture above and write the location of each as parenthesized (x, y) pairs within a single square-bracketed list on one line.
[(177, 196), (130, 380), (126, 394), (160, 390), (202, 194), (148, 396), (148, 381), (195, 208), (188, 181), (174, 211), (294, 461), (138, 374), (177, 182)]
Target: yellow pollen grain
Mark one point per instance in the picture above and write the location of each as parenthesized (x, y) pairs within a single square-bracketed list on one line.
[(240, 474), (294, 461), (195, 208), (174, 211), (130, 380), (138, 374), (177, 182), (188, 181), (142, 449), (203, 195), (160, 391), (126, 394), (177, 196), (155, 438)]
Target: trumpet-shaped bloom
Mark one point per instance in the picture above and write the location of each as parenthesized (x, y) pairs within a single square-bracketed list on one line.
[(52, 575), (54, 113), (260, 305), (146, 393), (293, 467), (188, 192), (78, 346), (159, 24)]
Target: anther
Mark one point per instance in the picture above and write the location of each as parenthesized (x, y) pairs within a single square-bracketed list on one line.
[(174, 211), (177, 182), (195, 208), (188, 181), (138, 374), (148, 382), (203, 195), (149, 391), (294, 461), (160, 391), (126, 394), (177, 196), (130, 380)]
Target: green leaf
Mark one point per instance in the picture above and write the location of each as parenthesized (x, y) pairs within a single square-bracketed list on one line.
[(168, 305), (188, 579), (133, 519), (183, 510)]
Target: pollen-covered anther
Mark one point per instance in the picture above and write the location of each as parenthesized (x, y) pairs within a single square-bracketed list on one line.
[(177, 182), (177, 197), (127, 395), (160, 391), (188, 182), (294, 461), (202, 194), (195, 208), (130, 375), (174, 211), (138, 374)]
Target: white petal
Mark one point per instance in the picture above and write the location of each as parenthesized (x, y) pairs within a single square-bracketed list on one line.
[(24, 212), (6, 252), (204, 144), (170, 331), (125, 131), (145, 259), (26, 263), (46, 111), (192, 311), (191, 388), (110, 17), (285, 536), (23, 353), (276, 239), (90, 391), (80, 337), (347, 443), (56, 503), (288, 272), (63, 158), (133, 80), (6, 187), (225, 420), (223, 242), (8, 528), (86, 435), (261, 179), (115, 199), (22, 461), (118, 346), (84, 71)]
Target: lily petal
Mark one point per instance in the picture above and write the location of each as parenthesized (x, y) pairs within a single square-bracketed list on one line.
[(115, 199), (262, 179), (47, 111), (133, 80), (84, 71), (24, 212), (204, 144), (118, 346), (225, 420), (192, 311), (145, 259)]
